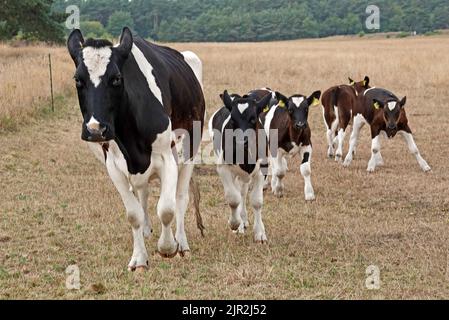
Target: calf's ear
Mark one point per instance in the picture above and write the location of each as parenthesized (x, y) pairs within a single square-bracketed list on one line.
[(262, 104), (314, 99), (126, 43), (283, 100), (403, 102), (75, 44), (378, 104), (351, 82), (227, 100), (366, 82)]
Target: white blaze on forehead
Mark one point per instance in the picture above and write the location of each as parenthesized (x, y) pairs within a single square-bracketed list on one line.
[(147, 70), (93, 123), (391, 105), (297, 101), (96, 61), (242, 107)]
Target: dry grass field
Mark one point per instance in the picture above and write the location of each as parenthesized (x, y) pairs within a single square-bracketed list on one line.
[(58, 206)]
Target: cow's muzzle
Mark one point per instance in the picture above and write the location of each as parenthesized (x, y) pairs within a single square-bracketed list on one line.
[(301, 125)]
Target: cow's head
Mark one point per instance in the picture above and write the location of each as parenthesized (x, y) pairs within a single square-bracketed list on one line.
[(360, 86), (392, 110), (244, 112), (298, 107), (99, 82)]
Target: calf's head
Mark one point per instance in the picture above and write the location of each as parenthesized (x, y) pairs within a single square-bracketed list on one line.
[(244, 113), (99, 82), (391, 112), (298, 108), (360, 86)]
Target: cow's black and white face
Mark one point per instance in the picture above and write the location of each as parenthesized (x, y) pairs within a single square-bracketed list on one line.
[(99, 82), (244, 112), (298, 107), (391, 114), (360, 86)]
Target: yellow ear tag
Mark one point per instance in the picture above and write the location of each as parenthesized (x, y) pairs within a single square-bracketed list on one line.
[(267, 108), (281, 104), (364, 83), (352, 83), (315, 102), (376, 106)]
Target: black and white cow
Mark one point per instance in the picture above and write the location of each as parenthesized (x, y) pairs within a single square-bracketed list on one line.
[(136, 98), (386, 115), (240, 146), (287, 121)]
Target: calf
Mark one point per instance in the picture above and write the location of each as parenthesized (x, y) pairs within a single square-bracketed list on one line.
[(287, 121), (240, 149), (385, 114), (135, 98), (338, 105)]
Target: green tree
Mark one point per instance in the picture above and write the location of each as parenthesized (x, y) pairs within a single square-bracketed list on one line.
[(32, 19), (118, 20), (93, 29)]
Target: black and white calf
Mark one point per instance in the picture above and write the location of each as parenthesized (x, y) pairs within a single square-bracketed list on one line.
[(240, 146), (386, 115), (287, 122), (137, 99)]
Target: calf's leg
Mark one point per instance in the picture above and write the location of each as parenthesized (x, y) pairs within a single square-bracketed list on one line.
[(182, 202), (279, 170), (357, 126), (232, 195), (256, 198), (408, 137), (306, 171), (375, 151)]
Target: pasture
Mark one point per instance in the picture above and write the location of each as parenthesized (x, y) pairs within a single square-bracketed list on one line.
[(58, 206)]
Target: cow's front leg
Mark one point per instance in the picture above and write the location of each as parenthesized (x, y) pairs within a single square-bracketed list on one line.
[(306, 171), (279, 170), (243, 213), (182, 202), (135, 214), (256, 198), (166, 207), (375, 154), (232, 195), (143, 194), (408, 137)]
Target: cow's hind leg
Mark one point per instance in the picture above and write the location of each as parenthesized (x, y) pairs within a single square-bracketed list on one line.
[(232, 195), (331, 136), (357, 126), (242, 208), (344, 118), (135, 214), (166, 207), (279, 170), (306, 171), (182, 202), (143, 194), (256, 198)]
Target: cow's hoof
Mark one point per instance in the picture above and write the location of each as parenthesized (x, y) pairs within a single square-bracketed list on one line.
[(169, 254), (141, 269), (310, 197), (338, 158), (184, 254), (427, 168), (260, 238), (371, 170), (133, 267), (234, 225)]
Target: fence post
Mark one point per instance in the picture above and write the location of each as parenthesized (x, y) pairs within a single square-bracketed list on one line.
[(51, 84)]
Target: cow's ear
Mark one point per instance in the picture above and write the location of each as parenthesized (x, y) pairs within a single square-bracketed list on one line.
[(126, 43), (264, 103), (282, 100), (366, 82), (314, 99), (378, 104), (227, 100), (75, 44), (403, 102), (351, 82)]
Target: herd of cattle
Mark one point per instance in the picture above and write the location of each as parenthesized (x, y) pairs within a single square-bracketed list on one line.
[(136, 96)]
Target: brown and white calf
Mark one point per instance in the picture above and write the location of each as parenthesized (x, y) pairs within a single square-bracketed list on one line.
[(287, 121), (338, 108), (386, 115)]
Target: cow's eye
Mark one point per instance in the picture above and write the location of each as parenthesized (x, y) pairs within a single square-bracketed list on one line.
[(117, 81), (78, 82)]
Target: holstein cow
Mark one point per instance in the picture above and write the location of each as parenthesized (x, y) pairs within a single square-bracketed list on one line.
[(287, 121), (338, 107), (133, 96), (241, 148), (385, 114)]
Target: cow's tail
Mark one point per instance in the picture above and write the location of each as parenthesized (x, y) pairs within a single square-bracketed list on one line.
[(195, 191), (334, 102)]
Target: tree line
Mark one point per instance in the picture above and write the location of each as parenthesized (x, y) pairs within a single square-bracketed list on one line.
[(222, 20)]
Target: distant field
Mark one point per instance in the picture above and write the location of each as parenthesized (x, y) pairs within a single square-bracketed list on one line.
[(58, 206)]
